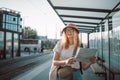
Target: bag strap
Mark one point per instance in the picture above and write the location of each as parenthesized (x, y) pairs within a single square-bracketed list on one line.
[(74, 52), (81, 67), (80, 63)]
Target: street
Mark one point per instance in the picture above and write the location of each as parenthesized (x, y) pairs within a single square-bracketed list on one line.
[(38, 73), (27, 68)]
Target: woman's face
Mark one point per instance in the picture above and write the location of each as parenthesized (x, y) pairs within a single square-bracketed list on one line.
[(69, 32)]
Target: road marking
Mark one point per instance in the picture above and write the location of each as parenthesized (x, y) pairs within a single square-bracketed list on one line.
[(34, 72)]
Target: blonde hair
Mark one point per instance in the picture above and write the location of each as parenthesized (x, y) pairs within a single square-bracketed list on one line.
[(65, 41)]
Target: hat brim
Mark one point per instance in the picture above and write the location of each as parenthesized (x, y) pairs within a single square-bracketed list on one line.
[(70, 27)]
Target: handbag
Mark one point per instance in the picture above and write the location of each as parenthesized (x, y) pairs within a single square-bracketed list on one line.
[(66, 71)]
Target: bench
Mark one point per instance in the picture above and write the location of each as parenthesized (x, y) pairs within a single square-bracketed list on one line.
[(97, 69), (112, 71)]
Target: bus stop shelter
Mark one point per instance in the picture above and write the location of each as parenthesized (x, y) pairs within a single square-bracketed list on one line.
[(100, 20)]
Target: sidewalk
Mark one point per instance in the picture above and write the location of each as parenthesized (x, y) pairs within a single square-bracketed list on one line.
[(89, 75)]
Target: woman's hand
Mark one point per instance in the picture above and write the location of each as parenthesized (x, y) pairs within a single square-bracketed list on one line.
[(87, 65), (70, 60), (92, 59)]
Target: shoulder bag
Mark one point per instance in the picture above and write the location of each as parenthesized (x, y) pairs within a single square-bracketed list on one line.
[(66, 71)]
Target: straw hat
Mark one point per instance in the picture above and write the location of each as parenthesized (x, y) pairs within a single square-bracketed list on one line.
[(70, 26)]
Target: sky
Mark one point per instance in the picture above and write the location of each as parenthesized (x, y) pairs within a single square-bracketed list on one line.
[(38, 15)]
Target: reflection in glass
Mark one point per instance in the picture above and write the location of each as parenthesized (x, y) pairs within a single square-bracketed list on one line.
[(115, 41), (105, 42), (15, 43), (8, 44)]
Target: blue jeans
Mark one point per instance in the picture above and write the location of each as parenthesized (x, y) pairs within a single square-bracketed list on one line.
[(76, 75)]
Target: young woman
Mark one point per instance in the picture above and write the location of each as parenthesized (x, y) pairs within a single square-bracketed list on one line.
[(63, 52)]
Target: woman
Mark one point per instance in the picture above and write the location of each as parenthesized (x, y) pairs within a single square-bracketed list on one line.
[(63, 52)]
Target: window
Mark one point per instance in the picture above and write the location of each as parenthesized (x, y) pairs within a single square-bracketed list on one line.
[(14, 19)]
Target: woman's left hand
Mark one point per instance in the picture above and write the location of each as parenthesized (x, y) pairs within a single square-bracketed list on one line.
[(92, 59)]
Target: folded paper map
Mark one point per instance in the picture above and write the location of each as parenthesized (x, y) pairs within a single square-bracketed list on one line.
[(83, 54)]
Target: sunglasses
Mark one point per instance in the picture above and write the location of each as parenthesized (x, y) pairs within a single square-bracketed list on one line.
[(69, 30)]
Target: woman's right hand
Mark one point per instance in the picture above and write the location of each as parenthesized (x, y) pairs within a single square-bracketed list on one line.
[(70, 60)]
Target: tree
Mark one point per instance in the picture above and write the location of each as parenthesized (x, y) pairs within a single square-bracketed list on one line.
[(29, 33)]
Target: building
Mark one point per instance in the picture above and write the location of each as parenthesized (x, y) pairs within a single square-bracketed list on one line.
[(30, 45), (10, 32)]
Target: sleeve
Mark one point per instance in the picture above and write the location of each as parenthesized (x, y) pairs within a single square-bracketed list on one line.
[(57, 47)]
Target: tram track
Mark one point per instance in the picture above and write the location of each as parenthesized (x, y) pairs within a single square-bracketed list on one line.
[(30, 64)]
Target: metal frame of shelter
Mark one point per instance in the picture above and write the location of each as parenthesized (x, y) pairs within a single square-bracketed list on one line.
[(86, 14)]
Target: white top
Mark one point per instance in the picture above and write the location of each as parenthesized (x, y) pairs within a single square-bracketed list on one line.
[(66, 53)]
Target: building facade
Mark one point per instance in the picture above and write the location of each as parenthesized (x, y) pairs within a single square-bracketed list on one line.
[(10, 32)]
